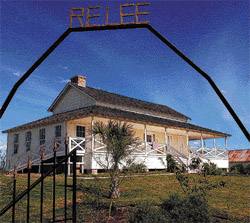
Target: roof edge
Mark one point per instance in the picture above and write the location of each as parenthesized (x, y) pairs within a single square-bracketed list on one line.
[(98, 110)]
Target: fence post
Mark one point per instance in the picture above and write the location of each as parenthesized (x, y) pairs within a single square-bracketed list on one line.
[(41, 192), (28, 188), (54, 183), (74, 188), (65, 179), (14, 195)]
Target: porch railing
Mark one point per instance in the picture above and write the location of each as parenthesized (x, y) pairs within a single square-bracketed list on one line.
[(210, 153), (139, 149)]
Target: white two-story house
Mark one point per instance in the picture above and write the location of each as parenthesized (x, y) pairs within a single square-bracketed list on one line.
[(160, 129)]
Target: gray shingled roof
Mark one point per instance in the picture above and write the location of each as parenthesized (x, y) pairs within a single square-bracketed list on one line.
[(120, 100), (115, 114)]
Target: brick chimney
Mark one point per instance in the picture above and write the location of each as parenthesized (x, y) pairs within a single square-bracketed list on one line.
[(79, 80)]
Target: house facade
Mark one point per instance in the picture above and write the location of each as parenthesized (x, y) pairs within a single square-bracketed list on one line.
[(159, 128)]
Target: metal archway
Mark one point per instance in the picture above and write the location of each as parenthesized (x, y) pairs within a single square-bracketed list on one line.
[(125, 26)]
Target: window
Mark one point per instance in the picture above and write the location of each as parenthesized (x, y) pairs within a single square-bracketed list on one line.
[(151, 138), (42, 136), (169, 140), (28, 140), (80, 131), (58, 131), (16, 143)]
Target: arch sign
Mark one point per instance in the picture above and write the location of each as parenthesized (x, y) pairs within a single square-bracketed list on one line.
[(130, 13)]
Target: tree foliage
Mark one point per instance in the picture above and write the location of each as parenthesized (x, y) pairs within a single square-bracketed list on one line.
[(119, 139), (237, 168), (172, 165), (210, 169)]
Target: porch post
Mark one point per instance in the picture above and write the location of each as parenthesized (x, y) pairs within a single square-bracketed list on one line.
[(166, 139), (93, 171), (226, 142), (188, 160), (69, 149), (92, 135), (187, 139), (145, 138), (202, 144)]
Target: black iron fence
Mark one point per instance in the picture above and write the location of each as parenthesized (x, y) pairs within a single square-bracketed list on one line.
[(17, 197)]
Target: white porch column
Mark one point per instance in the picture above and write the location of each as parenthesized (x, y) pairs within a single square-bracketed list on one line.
[(69, 148), (92, 136), (93, 170), (187, 139), (188, 161), (202, 144), (226, 142), (214, 143), (145, 138), (166, 139)]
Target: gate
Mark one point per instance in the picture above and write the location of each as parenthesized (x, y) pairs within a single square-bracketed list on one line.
[(17, 197)]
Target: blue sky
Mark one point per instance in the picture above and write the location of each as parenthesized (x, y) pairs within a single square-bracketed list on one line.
[(214, 34)]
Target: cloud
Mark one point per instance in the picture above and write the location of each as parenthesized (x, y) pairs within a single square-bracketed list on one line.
[(63, 67), (11, 70), (64, 81), (17, 73), (38, 91)]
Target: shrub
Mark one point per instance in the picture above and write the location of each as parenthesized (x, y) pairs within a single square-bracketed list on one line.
[(238, 168), (172, 166), (247, 169), (210, 169), (146, 213), (192, 208), (137, 168)]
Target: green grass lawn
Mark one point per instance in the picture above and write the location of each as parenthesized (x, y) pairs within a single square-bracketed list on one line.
[(233, 199)]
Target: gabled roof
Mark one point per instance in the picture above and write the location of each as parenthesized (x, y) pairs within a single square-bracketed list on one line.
[(114, 114), (120, 100)]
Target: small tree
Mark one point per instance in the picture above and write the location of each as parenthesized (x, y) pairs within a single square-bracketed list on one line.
[(119, 139)]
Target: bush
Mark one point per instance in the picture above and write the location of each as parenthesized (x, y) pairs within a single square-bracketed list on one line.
[(172, 166), (146, 213), (137, 168), (176, 209), (192, 208), (210, 169), (247, 169), (238, 168)]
